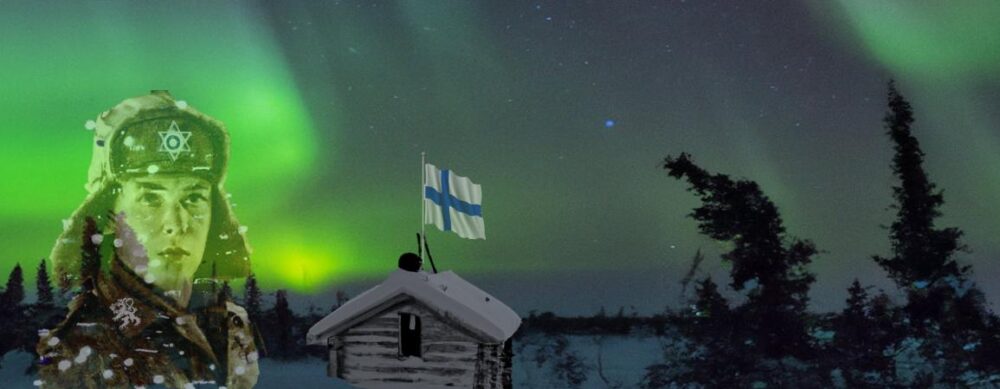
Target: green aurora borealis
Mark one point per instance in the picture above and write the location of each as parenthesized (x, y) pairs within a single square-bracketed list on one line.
[(329, 105)]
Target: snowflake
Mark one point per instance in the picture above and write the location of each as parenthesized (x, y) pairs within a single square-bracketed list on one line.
[(125, 312)]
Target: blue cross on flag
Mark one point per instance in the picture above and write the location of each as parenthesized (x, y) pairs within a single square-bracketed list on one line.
[(453, 203)]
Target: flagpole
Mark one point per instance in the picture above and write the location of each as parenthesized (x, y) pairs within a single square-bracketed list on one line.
[(423, 204)]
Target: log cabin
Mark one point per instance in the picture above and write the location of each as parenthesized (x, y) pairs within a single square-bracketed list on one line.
[(419, 330)]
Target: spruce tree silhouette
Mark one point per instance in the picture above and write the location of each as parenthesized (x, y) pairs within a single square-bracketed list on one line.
[(44, 286), (858, 344), (768, 265), (713, 361), (90, 258), (284, 320), (13, 294), (943, 305), (922, 255), (12, 314), (251, 298), (711, 313)]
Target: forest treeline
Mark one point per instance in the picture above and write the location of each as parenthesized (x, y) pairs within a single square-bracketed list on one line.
[(942, 335)]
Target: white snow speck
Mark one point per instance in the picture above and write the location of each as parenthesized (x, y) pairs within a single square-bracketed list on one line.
[(157, 379), (118, 243), (152, 169), (181, 104), (149, 278), (107, 374), (83, 355), (128, 362), (53, 341), (66, 224), (188, 386), (97, 238), (243, 229), (181, 352), (64, 365), (211, 367), (37, 383), (240, 370), (179, 320), (155, 263), (90, 125), (252, 357), (129, 141), (223, 236), (141, 269)]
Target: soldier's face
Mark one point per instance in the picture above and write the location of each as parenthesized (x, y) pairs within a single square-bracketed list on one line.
[(171, 216)]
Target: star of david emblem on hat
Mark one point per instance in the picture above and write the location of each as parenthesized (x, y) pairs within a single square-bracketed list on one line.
[(174, 141)]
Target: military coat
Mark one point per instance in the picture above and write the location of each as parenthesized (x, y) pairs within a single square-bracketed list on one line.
[(123, 333)]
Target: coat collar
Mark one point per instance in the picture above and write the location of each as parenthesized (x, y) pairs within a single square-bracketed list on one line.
[(127, 291)]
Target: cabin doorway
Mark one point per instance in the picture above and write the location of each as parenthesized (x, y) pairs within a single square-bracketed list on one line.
[(409, 335)]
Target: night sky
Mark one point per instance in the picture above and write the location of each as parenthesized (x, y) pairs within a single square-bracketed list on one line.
[(562, 111)]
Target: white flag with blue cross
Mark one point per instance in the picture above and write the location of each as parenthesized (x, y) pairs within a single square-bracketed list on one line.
[(453, 203)]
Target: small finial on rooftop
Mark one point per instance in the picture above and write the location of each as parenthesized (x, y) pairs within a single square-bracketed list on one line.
[(410, 262)]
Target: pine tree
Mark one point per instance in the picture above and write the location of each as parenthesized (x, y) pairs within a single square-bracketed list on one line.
[(710, 307), (44, 285), (857, 300), (943, 306), (251, 298), (225, 293), (13, 333), (13, 294), (90, 259), (711, 358), (768, 265), (284, 320), (856, 344), (923, 257)]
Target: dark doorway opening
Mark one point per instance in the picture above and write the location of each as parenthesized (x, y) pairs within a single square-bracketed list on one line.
[(409, 335)]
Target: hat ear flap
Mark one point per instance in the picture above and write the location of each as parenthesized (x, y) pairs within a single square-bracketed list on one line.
[(66, 254)]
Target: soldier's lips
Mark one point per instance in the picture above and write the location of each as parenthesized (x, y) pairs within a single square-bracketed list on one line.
[(174, 253)]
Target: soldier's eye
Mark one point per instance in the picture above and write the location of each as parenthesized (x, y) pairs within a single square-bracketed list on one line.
[(195, 199), (150, 199)]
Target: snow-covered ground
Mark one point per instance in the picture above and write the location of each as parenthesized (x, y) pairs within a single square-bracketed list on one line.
[(624, 360), (302, 374)]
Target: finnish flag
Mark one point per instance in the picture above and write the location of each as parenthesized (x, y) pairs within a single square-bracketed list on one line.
[(453, 203)]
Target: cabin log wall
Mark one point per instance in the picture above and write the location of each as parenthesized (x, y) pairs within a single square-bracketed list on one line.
[(370, 352)]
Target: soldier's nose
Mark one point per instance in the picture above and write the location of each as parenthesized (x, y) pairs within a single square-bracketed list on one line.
[(175, 222)]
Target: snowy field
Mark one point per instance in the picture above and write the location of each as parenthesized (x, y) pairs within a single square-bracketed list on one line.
[(624, 360)]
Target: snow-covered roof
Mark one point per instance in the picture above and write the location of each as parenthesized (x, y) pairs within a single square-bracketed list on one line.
[(445, 293)]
